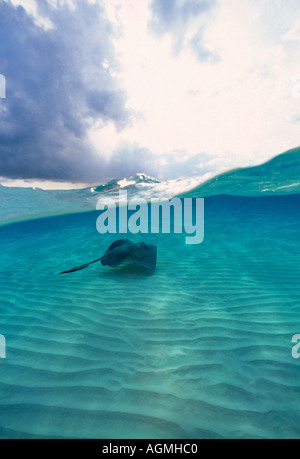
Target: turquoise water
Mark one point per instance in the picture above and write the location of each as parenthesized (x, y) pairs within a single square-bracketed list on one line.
[(280, 176), (199, 349), (202, 348)]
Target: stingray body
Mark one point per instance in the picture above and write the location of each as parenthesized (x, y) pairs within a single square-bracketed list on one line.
[(141, 254)]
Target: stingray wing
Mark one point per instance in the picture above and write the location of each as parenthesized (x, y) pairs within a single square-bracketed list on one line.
[(117, 252), (144, 255)]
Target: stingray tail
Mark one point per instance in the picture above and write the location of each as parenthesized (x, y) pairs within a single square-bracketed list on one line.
[(79, 268)]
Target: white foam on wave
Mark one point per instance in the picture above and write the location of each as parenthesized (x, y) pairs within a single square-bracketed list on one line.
[(30, 202)]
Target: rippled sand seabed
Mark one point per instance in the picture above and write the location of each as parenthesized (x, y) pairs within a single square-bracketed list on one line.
[(200, 349)]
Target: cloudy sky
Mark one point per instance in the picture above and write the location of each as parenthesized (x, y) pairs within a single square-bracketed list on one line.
[(102, 89)]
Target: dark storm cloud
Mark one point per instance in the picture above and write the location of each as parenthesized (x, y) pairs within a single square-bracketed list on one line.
[(175, 17), (176, 164), (109, 105), (56, 87)]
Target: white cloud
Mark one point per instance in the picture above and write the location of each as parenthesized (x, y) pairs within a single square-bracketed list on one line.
[(31, 7), (294, 32), (239, 109)]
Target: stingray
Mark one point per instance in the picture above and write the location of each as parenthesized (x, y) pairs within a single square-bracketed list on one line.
[(141, 254)]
